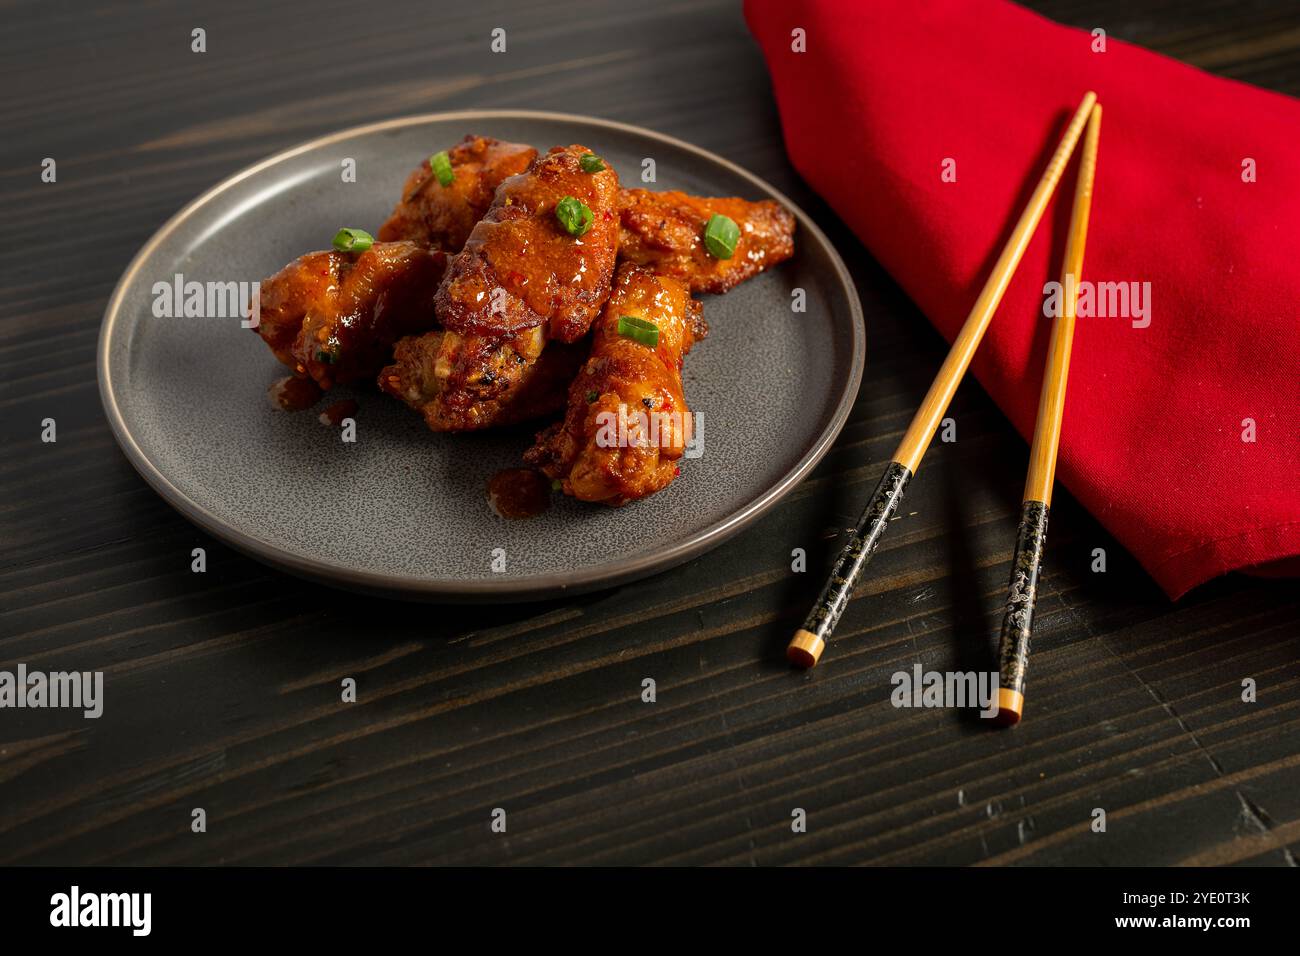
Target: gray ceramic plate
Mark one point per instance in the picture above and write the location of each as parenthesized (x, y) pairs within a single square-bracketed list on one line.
[(402, 511)]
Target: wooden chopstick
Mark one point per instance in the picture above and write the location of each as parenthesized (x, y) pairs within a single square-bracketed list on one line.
[(1017, 620), (810, 640)]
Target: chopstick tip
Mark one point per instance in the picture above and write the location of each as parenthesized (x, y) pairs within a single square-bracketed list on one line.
[(1011, 705), (805, 649)]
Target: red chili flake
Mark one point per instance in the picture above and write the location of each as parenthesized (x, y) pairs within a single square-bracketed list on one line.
[(677, 470)]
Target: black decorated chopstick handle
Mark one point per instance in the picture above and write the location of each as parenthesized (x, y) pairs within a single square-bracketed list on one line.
[(1018, 619), (810, 640)]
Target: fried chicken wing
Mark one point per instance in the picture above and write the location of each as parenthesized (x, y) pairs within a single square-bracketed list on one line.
[(521, 280), (443, 216), (627, 422), (334, 316), (664, 231), (521, 268), (467, 382)]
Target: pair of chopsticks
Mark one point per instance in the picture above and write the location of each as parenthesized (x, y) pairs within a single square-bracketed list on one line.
[(810, 640)]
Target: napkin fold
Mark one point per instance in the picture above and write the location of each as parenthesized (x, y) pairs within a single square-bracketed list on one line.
[(926, 126)]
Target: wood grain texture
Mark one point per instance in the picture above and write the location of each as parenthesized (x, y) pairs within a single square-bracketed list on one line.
[(222, 690)]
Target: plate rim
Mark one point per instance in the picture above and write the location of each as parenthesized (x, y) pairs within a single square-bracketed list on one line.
[(412, 587)]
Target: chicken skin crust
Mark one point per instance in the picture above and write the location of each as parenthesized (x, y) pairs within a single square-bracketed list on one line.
[(464, 383), (334, 316), (627, 422), (522, 268), (665, 232), (442, 217)]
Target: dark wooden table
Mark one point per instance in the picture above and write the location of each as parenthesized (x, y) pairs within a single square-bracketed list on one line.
[(223, 690)]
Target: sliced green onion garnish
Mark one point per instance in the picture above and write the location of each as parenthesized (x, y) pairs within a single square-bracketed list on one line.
[(557, 485), (353, 240), (720, 236), (573, 215), (326, 356), (591, 163), (592, 396), (440, 163), (638, 329)]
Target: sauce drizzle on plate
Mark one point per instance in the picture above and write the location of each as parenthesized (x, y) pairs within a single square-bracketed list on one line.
[(519, 493), (294, 394)]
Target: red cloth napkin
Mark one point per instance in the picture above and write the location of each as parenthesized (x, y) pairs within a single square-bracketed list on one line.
[(1152, 441)]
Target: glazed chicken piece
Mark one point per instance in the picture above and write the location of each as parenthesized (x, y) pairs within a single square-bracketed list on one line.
[(513, 379), (442, 217), (522, 269), (627, 422), (664, 231), (334, 316), (522, 281)]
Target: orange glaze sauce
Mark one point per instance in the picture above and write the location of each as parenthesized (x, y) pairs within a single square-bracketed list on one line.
[(335, 414), (294, 394), (519, 493)]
